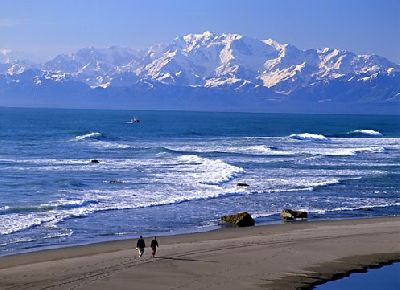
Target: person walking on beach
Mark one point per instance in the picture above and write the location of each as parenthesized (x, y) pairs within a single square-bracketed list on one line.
[(140, 245), (154, 246)]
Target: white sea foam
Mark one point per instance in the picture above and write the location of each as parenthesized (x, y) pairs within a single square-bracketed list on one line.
[(366, 206), (58, 234), (208, 171), (193, 178), (252, 149), (199, 178), (88, 136), (45, 161), (12, 223), (117, 199), (78, 164), (260, 150), (173, 179), (303, 184), (19, 240), (326, 151), (346, 151), (367, 132), (94, 136), (109, 145), (308, 137), (329, 181), (259, 214)]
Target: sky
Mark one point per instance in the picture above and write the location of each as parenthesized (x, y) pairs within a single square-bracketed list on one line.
[(42, 29)]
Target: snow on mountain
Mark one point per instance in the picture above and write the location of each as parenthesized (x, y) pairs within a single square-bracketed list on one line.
[(92, 66), (11, 64), (220, 60), (210, 60)]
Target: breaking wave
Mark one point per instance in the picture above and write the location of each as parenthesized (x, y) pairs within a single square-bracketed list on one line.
[(92, 135), (347, 151), (97, 140), (245, 150), (366, 132), (110, 145), (308, 137)]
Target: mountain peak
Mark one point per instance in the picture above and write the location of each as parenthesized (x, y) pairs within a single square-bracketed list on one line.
[(196, 39), (209, 37), (274, 43), (205, 35)]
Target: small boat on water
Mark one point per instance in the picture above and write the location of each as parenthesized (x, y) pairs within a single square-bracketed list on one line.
[(135, 120)]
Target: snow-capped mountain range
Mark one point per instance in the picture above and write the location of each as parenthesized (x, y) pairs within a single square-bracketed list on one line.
[(208, 62)]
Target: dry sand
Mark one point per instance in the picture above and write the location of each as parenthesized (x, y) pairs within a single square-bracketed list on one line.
[(285, 256)]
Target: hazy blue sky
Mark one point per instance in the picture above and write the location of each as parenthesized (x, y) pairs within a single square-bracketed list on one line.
[(46, 27)]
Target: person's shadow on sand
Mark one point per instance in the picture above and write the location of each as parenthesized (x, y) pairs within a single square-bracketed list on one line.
[(182, 259)]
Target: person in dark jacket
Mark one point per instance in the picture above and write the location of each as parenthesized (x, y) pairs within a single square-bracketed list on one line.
[(140, 245), (154, 246)]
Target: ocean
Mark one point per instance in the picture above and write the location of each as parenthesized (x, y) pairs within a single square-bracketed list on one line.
[(177, 172)]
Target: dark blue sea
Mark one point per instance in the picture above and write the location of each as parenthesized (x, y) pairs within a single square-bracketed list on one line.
[(177, 172)]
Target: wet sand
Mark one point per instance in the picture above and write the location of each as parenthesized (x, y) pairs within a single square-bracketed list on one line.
[(285, 256)]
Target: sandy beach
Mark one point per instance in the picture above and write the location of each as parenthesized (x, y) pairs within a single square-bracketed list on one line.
[(283, 256)]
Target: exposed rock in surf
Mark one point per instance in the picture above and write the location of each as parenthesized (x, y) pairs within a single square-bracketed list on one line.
[(244, 184), (242, 219), (112, 181), (94, 161), (290, 215)]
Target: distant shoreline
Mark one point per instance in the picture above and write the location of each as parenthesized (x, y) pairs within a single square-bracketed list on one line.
[(283, 256), (301, 113)]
